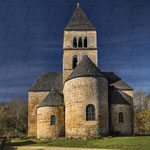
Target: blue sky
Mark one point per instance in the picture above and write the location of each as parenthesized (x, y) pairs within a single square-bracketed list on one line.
[(31, 40)]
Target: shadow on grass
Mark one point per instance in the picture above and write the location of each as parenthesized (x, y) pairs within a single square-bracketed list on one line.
[(23, 143), (141, 134)]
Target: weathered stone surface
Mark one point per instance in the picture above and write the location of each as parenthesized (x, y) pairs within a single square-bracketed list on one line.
[(69, 51), (44, 128), (124, 128), (34, 99), (69, 35), (82, 88), (78, 93), (67, 59)]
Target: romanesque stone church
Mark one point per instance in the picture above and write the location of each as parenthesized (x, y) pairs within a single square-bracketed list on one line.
[(81, 101)]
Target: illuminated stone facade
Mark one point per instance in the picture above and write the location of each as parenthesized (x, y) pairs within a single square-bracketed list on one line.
[(81, 101)]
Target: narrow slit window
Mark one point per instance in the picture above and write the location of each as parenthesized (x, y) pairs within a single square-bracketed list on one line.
[(121, 119), (85, 42), (74, 42), (90, 112), (53, 120), (80, 42), (74, 61)]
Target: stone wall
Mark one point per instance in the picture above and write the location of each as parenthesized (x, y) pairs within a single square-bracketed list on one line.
[(44, 128), (67, 59), (34, 99), (69, 35), (124, 128), (69, 51), (128, 92), (78, 93)]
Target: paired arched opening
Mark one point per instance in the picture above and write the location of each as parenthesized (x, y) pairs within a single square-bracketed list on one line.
[(53, 120), (85, 42), (74, 42), (120, 117), (90, 112), (80, 43), (74, 61)]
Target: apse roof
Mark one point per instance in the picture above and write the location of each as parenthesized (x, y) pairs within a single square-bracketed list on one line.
[(52, 99), (85, 68)]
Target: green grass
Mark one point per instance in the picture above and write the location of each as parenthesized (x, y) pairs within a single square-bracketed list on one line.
[(128, 143)]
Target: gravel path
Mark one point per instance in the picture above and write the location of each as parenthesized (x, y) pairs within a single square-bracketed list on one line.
[(49, 148)]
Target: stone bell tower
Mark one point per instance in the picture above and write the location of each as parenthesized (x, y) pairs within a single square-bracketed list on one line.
[(80, 38)]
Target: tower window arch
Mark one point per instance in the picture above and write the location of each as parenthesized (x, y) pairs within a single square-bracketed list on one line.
[(74, 61), (74, 42), (85, 42), (80, 42), (90, 112), (120, 117), (53, 120)]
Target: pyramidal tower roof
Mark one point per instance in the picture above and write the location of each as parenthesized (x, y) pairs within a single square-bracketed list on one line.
[(79, 22), (86, 68)]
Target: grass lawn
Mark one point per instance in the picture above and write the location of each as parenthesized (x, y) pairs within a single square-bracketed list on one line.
[(129, 143)]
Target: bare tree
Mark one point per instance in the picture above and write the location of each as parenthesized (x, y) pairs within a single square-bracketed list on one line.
[(13, 117), (146, 102), (5, 120), (141, 113), (138, 99), (18, 109)]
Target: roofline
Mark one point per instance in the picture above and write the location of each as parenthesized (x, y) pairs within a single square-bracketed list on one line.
[(39, 90), (80, 29), (125, 89), (42, 90), (49, 106), (119, 104), (80, 49), (85, 76)]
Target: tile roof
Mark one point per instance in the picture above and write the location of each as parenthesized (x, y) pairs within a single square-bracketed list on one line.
[(79, 22), (52, 99), (86, 68), (48, 80), (115, 81), (121, 85), (118, 97)]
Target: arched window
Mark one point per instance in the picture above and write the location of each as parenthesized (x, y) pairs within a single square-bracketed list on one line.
[(74, 42), (74, 61), (85, 42), (53, 120), (80, 42), (90, 112), (120, 117)]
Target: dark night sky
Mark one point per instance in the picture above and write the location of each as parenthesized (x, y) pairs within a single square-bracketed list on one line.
[(31, 40)]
